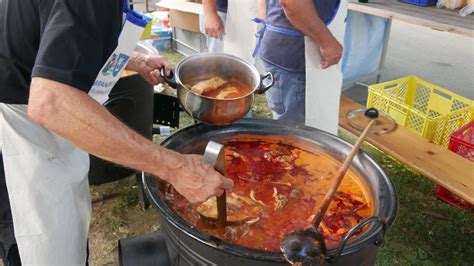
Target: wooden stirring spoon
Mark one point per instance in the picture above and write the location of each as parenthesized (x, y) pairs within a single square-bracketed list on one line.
[(308, 246)]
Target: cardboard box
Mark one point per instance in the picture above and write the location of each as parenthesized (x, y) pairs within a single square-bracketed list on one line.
[(184, 19), (183, 14)]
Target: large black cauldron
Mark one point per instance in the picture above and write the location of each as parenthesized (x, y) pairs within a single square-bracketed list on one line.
[(189, 246)]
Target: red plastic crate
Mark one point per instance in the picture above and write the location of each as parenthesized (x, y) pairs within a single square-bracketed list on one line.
[(462, 143)]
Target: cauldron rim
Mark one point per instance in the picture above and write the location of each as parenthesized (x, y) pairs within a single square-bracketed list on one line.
[(369, 236)]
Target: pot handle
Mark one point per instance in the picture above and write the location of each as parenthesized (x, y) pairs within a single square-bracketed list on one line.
[(169, 79), (355, 229), (262, 88), (114, 101)]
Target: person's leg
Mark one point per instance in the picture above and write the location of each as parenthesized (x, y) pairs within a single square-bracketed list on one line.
[(8, 248), (287, 96)]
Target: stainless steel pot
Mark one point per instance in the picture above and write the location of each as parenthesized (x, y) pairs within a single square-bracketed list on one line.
[(204, 66)]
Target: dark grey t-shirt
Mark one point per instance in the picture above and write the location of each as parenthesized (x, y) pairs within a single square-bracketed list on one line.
[(63, 40), (287, 51), (221, 5)]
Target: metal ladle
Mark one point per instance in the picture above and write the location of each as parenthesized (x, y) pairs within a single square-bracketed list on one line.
[(214, 155), (227, 212), (307, 246)]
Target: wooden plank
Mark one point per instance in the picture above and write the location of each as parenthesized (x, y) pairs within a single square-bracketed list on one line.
[(182, 5), (127, 73), (435, 162), (440, 19)]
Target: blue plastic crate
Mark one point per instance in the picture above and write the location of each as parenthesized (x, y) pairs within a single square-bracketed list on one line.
[(162, 43), (162, 32), (420, 2)]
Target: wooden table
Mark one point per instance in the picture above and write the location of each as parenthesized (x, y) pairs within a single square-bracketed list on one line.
[(433, 161), (128, 73), (440, 19)]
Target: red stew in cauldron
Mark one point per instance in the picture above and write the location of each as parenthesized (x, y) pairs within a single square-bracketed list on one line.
[(284, 185)]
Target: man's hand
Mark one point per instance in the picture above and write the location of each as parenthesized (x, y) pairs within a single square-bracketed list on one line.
[(214, 26), (197, 180), (303, 16), (331, 53), (149, 66)]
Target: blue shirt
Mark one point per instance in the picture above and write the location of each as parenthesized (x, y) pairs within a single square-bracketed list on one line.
[(285, 51)]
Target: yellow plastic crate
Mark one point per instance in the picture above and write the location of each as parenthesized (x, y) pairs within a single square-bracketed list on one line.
[(427, 109)]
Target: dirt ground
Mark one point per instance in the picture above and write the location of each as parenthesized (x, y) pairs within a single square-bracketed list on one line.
[(116, 215)]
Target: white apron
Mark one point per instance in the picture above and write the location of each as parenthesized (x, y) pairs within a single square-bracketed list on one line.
[(239, 38), (323, 86), (46, 176)]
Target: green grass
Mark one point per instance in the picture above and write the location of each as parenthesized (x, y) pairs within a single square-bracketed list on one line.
[(426, 231), (128, 198)]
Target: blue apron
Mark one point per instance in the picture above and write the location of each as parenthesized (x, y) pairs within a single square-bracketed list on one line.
[(326, 10)]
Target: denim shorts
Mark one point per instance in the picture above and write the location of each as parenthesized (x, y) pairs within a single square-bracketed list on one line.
[(287, 96)]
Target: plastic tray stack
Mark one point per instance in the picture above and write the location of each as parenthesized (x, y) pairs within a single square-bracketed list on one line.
[(425, 108)]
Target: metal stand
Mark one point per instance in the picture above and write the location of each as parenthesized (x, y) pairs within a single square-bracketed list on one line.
[(144, 250), (166, 110), (136, 2)]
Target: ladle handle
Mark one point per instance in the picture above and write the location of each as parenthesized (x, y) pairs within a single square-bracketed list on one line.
[(222, 209), (214, 155), (340, 175)]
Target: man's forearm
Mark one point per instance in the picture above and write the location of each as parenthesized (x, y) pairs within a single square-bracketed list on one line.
[(79, 119), (261, 9), (303, 16), (209, 7)]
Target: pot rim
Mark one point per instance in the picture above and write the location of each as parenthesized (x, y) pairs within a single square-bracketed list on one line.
[(204, 54), (369, 236)]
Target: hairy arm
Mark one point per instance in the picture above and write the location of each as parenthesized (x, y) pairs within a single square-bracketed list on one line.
[(79, 119), (149, 66), (261, 11), (303, 16)]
